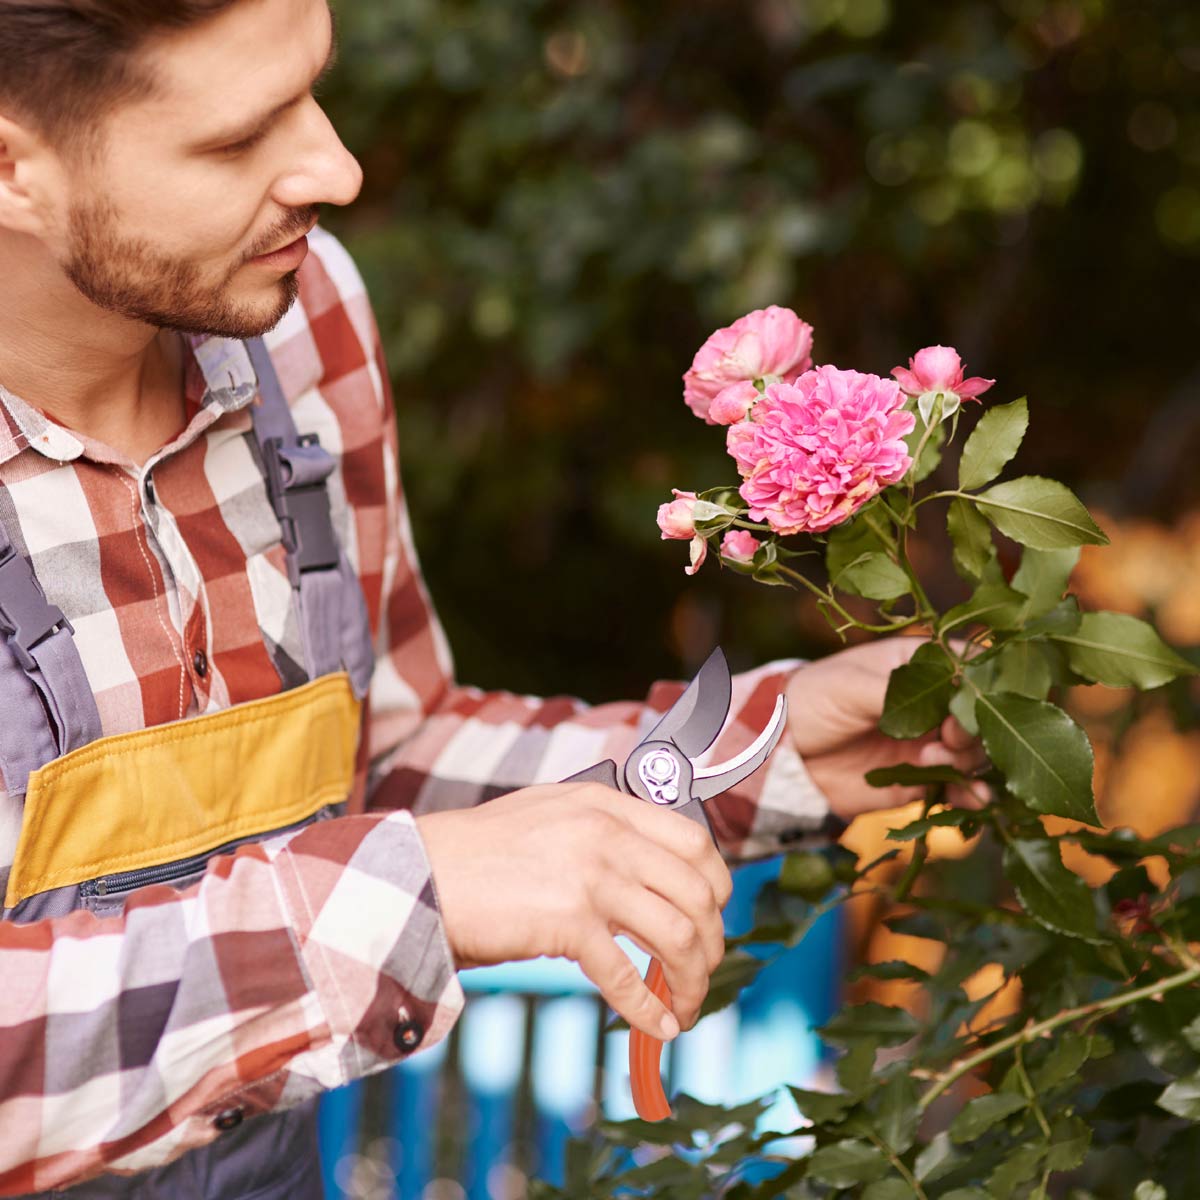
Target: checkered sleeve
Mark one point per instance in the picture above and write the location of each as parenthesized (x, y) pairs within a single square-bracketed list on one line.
[(295, 965), (434, 744)]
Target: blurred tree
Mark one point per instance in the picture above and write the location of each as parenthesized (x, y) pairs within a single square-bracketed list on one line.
[(565, 197)]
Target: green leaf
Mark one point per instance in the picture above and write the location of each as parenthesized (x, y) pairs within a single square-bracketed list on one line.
[(967, 1193), (1043, 576), (855, 1069), (922, 825), (976, 678), (1121, 651), (1191, 1034), (873, 575), (1021, 1165), (894, 968), (906, 775), (1048, 892), (1041, 513), (880, 1023), (848, 543), (918, 694), (888, 1189), (993, 604), (807, 874), (1070, 1138), (1023, 669), (1149, 1190), (981, 1114), (1070, 1051), (993, 442), (1045, 757), (938, 1158), (823, 1108), (896, 1108), (846, 1163), (931, 455), (1183, 1097), (971, 537)]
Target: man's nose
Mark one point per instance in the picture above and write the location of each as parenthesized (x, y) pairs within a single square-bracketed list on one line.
[(326, 173)]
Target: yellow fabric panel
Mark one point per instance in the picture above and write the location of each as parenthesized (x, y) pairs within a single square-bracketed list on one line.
[(142, 799)]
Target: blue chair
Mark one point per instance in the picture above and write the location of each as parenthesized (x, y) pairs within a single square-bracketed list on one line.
[(530, 1065)]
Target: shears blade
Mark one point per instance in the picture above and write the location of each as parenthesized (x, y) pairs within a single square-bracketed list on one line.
[(720, 777), (694, 720)]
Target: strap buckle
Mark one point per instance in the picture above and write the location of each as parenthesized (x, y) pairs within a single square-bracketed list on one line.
[(26, 616), (296, 484)]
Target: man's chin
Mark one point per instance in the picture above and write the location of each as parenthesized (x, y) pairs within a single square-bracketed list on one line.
[(247, 316)]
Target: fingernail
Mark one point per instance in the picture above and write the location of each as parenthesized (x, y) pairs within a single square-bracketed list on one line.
[(669, 1027)]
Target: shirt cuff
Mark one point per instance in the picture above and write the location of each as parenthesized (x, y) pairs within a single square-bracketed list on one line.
[(362, 901)]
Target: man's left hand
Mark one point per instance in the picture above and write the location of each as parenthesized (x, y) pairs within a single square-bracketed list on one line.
[(835, 704)]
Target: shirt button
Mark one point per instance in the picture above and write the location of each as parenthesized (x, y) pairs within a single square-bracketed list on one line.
[(231, 1118), (408, 1036), (200, 663)]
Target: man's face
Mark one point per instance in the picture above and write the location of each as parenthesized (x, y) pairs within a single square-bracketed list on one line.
[(169, 221)]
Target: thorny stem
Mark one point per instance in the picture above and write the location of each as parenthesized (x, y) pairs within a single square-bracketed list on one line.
[(1049, 1024), (898, 1166), (827, 598)]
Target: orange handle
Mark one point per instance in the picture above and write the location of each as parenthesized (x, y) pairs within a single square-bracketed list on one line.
[(645, 1057)]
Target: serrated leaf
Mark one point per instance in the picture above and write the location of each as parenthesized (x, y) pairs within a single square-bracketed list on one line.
[(1043, 576), (967, 1193), (1021, 1165), (939, 820), (845, 1163), (1044, 756), (849, 542), (907, 775), (993, 442), (1149, 1190), (896, 1109), (822, 1107), (1038, 512), (1048, 892), (855, 1069), (1122, 651), (1069, 1052), (880, 1023), (976, 678), (993, 604), (971, 537), (980, 1114), (918, 694), (894, 968), (1183, 1097), (1191, 1034), (873, 575), (937, 1159), (1023, 669), (1070, 1138)]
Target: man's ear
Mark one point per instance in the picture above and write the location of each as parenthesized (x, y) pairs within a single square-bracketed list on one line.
[(27, 169)]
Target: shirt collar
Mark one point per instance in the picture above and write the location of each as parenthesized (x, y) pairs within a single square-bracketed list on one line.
[(225, 381)]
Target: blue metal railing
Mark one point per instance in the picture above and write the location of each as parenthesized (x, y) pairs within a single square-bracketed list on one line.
[(529, 1065)]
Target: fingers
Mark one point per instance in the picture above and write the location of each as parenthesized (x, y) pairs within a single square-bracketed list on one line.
[(610, 969)]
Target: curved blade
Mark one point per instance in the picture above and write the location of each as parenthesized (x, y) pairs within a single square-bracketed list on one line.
[(695, 719), (720, 777)]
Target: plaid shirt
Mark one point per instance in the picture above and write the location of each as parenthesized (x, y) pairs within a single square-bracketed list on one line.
[(264, 983)]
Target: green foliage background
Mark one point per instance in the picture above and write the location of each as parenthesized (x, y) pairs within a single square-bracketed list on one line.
[(564, 198)]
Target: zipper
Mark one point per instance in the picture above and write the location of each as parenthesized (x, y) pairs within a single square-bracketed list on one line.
[(130, 881)]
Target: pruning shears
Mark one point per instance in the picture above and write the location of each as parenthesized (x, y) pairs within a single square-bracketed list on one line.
[(661, 770)]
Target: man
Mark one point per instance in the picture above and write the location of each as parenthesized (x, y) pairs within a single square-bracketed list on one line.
[(205, 644)]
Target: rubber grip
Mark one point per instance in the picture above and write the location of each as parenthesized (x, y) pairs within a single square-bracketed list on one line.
[(645, 1057)]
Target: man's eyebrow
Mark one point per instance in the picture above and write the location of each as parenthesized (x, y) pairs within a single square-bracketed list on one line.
[(249, 129)]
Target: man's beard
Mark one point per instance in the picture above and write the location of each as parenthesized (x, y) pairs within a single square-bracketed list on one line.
[(129, 276)]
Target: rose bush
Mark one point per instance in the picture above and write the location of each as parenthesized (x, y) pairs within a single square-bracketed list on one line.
[(1076, 1070)]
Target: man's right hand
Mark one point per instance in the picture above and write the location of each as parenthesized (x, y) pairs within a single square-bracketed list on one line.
[(562, 869)]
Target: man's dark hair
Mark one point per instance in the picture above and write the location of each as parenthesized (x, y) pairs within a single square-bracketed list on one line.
[(64, 64)]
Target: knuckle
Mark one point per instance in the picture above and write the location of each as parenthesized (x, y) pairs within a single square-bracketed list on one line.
[(682, 935), (694, 840)]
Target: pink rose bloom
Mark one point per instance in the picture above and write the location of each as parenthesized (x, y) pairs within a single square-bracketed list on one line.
[(739, 545), (697, 551), (768, 341), (939, 369), (819, 449), (733, 403), (677, 519)]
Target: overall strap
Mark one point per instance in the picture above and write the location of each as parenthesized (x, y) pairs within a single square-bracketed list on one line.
[(46, 700), (327, 596)]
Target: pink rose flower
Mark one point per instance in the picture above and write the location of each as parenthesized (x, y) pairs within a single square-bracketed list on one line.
[(697, 551), (768, 341), (939, 369), (739, 545), (733, 403), (677, 519), (819, 449)]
